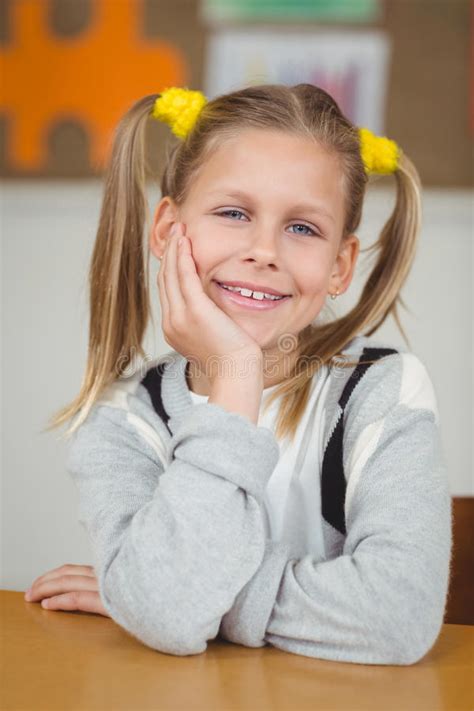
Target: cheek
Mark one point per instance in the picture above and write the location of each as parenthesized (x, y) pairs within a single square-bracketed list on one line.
[(311, 280), (204, 246), (208, 241)]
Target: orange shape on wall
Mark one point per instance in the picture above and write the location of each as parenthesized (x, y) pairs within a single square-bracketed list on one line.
[(92, 78)]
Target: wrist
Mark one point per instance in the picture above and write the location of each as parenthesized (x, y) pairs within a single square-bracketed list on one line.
[(242, 367), (241, 394)]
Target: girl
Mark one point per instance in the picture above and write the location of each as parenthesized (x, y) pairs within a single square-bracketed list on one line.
[(275, 478)]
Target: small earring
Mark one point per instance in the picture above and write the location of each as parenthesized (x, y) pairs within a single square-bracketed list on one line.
[(334, 296)]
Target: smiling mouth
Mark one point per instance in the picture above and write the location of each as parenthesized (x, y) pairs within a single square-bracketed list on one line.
[(248, 302)]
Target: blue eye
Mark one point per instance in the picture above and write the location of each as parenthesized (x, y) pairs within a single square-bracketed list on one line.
[(304, 234), (227, 212), (311, 232)]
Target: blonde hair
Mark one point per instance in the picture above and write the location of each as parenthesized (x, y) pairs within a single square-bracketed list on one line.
[(118, 277)]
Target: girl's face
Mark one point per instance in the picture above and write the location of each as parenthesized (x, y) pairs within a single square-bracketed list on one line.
[(266, 208)]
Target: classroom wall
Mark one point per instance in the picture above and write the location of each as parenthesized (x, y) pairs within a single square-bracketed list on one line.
[(50, 229)]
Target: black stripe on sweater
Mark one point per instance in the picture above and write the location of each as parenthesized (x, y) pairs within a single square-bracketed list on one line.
[(333, 481), (152, 382)]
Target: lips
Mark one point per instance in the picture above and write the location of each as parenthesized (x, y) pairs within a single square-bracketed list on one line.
[(235, 300)]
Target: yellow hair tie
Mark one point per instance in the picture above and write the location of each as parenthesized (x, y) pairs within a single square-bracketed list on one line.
[(179, 108), (379, 154)]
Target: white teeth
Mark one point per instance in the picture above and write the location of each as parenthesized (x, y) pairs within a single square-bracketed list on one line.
[(259, 295)]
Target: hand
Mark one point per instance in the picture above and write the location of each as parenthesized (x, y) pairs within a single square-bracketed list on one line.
[(192, 323), (70, 587)]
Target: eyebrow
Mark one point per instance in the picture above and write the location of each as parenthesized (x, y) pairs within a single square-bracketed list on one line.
[(304, 206)]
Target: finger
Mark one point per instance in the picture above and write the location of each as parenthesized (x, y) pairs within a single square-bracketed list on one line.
[(67, 569), (170, 276), (188, 277), (165, 306), (62, 584), (85, 600)]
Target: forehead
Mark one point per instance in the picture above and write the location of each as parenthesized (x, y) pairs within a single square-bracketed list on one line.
[(272, 164)]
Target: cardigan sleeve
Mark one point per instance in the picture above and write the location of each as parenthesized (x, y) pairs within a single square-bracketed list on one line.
[(382, 600), (174, 544)]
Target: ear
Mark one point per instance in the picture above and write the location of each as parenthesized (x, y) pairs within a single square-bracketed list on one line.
[(166, 215), (345, 263)]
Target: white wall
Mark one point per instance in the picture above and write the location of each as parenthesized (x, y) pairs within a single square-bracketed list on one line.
[(48, 230)]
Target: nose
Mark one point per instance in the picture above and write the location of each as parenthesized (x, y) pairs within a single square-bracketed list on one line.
[(263, 247)]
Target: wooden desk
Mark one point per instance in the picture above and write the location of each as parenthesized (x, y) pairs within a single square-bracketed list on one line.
[(75, 660)]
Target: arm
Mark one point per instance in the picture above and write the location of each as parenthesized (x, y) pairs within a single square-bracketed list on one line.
[(173, 547), (382, 601)]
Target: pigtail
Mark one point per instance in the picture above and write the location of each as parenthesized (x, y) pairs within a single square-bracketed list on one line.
[(118, 274), (397, 249)]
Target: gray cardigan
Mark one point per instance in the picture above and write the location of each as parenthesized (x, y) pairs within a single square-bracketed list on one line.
[(170, 495)]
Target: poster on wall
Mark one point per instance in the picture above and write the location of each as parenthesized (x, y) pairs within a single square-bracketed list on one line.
[(352, 66), (218, 11)]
